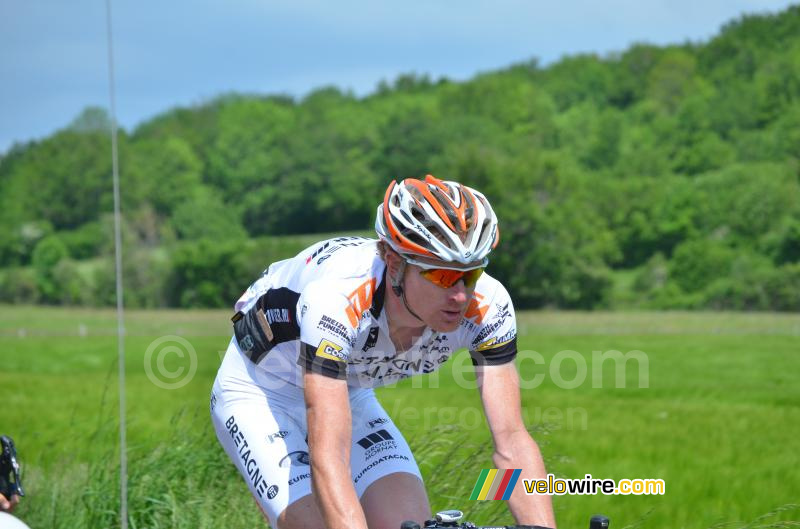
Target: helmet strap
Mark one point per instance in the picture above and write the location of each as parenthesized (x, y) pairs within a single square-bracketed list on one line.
[(397, 280), (397, 288), (403, 296)]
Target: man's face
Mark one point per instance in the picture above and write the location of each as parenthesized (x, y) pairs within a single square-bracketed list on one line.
[(440, 308)]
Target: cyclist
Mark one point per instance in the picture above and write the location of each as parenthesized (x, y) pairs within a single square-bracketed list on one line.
[(293, 402)]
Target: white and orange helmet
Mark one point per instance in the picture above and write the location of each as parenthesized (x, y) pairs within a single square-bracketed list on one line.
[(438, 220)]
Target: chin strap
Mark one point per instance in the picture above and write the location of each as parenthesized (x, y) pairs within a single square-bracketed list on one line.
[(397, 288)]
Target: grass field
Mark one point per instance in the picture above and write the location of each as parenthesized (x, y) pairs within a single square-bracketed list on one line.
[(718, 418)]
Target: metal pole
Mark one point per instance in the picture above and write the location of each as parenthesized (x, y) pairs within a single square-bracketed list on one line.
[(123, 458)]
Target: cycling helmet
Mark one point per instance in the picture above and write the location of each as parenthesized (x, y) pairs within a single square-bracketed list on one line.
[(437, 220)]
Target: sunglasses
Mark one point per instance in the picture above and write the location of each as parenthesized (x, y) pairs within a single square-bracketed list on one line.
[(446, 278)]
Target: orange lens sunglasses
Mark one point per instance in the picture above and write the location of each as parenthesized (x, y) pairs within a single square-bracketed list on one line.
[(446, 278)]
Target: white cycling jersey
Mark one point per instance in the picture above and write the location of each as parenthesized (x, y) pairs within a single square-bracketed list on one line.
[(323, 310)]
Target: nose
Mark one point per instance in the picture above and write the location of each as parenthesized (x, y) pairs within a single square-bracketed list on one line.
[(458, 293)]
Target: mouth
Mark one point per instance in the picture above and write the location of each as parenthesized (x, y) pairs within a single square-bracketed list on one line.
[(451, 315)]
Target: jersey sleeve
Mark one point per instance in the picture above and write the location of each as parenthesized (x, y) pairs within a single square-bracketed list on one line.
[(326, 336), (494, 339)]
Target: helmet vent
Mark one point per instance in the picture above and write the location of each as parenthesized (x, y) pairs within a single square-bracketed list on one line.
[(416, 239), (437, 232), (419, 215), (485, 232)]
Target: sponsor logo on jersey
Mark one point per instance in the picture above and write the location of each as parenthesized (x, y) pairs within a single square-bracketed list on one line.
[(489, 329), (385, 367), (379, 420), (373, 438), (272, 492), (249, 463), (298, 457), (317, 252), (502, 312), (497, 341), (372, 339), (331, 351), (377, 462), (277, 435), (277, 316), (437, 345), (339, 243), (297, 479), (246, 343), (360, 300), (377, 442), (329, 324), (476, 310)]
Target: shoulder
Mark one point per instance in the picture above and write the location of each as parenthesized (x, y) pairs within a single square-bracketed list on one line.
[(491, 322), (489, 300), (346, 293)]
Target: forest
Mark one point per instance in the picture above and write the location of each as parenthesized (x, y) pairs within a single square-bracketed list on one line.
[(658, 177)]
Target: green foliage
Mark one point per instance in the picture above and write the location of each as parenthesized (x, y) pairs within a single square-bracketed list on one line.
[(207, 217), (46, 256), (88, 241), (164, 173), (746, 201), (17, 242), (64, 180), (74, 286), (19, 286), (553, 254), (92, 119), (784, 243), (145, 277), (207, 274), (696, 263), (595, 165)]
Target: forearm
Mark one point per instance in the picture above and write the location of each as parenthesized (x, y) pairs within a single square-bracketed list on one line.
[(521, 451), (335, 495), (329, 425)]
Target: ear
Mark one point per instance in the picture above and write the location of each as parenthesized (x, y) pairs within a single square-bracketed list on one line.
[(393, 262)]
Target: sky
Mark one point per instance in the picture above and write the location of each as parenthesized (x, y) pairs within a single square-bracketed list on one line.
[(54, 54)]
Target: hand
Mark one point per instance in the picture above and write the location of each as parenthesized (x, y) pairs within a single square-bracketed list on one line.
[(6, 505)]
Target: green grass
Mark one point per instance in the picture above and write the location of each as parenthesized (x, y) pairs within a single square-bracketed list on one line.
[(718, 421)]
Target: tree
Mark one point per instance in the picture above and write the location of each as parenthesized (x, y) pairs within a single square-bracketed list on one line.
[(46, 256)]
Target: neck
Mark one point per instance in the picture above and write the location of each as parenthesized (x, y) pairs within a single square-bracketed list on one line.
[(403, 326)]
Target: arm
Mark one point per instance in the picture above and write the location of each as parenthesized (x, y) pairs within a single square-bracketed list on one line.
[(513, 445), (8, 505), (329, 440)]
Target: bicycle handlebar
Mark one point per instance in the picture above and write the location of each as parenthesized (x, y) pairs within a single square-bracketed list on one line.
[(449, 519)]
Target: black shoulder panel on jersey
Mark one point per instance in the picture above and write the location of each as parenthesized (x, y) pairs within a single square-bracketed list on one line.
[(379, 296), (495, 356), (309, 360), (269, 322)]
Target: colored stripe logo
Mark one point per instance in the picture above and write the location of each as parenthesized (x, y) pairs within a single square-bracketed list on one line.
[(495, 484)]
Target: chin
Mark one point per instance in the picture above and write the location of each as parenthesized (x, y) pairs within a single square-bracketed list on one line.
[(441, 326)]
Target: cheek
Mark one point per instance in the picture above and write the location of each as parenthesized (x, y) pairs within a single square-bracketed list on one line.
[(429, 293)]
